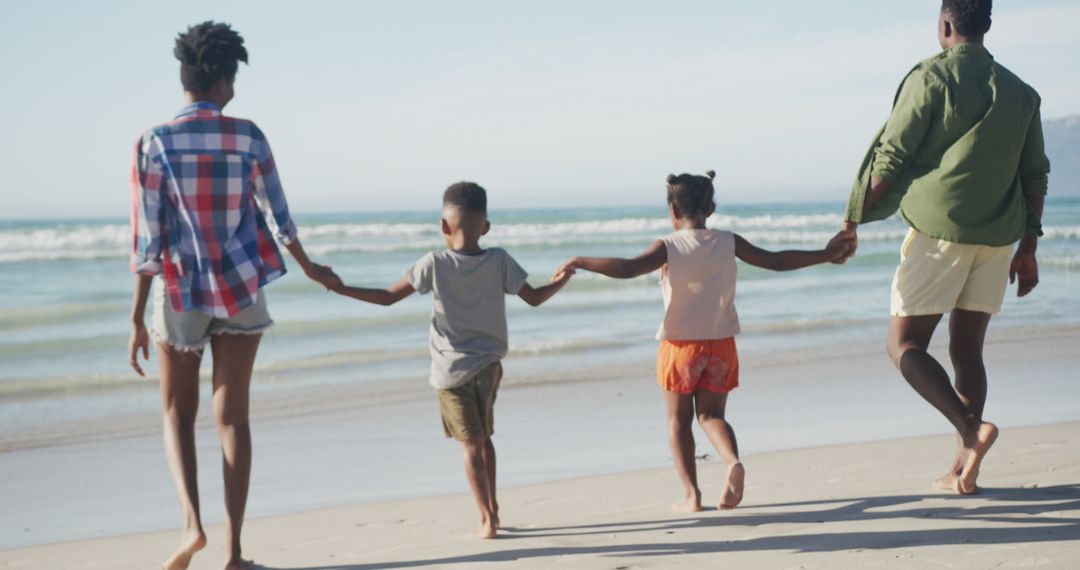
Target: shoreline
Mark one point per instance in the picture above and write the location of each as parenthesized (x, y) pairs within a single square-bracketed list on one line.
[(869, 500)]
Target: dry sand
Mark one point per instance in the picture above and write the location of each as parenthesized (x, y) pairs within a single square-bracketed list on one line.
[(847, 506)]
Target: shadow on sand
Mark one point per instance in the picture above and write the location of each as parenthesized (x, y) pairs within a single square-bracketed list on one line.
[(1023, 507)]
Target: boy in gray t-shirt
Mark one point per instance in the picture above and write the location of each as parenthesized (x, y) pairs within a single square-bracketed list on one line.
[(468, 330)]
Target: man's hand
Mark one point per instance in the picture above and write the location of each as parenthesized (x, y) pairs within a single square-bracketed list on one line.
[(324, 276), (847, 234), (1025, 269), (139, 340)]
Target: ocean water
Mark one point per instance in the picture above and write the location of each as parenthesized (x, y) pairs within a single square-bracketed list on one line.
[(63, 315)]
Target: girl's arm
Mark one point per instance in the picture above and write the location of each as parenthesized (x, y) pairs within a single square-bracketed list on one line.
[(385, 297), (140, 340), (536, 296), (621, 268), (792, 258)]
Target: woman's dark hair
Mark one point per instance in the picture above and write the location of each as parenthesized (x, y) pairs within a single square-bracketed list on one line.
[(208, 52), (691, 195), (971, 18)]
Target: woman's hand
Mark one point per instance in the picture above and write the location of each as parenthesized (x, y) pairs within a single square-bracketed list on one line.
[(323, 275), (139, 340)]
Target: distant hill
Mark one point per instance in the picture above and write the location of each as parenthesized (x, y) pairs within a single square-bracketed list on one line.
[(1063, 148)]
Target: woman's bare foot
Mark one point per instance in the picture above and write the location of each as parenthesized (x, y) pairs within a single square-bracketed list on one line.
[(691, 504), (733, 490), (487, 530), (191, 543), (984, 438), (239, 564)]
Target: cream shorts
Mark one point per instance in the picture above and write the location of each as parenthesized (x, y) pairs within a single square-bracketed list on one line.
[(191, 330), (936, 276)]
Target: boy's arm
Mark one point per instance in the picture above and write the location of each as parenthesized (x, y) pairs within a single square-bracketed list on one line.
[(650, 260), (536, 296), (386, 297), (792, 258)]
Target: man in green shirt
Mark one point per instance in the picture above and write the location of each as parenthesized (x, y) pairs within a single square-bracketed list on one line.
[(961, 157)]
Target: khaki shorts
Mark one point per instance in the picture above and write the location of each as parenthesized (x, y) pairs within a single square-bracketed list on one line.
[(468, 410), (191, 330), (936, 276)]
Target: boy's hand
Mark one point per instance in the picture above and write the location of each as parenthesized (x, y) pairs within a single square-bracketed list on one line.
[(325, 276), (841, 246), (571, 266), (562, 275)]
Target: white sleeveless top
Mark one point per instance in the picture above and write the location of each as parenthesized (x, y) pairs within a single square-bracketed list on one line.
[(698, 284)]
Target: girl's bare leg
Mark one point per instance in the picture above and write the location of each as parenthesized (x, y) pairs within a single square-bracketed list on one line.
[(680, 415), (179, 405), (710, 412), (234, 358)]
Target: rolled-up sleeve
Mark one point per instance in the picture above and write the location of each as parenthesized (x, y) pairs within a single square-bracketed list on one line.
[(147, 208), (908, 123), (269, 194)]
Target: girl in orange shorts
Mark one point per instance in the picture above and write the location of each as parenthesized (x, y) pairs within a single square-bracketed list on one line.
[(697, 363)]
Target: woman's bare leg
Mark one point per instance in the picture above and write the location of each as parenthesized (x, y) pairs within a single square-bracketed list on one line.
[(680, 415), (234, 358), (179, 405), (710, 411)]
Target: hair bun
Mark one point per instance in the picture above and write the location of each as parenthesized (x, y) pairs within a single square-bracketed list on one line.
[(671, 178), (711, 174)]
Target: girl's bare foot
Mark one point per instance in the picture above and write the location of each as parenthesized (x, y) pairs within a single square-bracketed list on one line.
[(984, 438), (733, 491), (191, 543), (691, 504), (239, 564)]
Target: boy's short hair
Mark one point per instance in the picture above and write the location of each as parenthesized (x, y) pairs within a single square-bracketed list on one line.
[(208, 52), (971, 18), (691, 195), (468, 197)]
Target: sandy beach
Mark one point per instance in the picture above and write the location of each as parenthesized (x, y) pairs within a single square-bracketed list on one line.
[(844, 506)]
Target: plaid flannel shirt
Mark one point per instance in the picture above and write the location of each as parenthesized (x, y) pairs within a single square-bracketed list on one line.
[(206, 206)]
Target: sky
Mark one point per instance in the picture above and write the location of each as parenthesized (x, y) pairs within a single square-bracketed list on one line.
[(373, 106)]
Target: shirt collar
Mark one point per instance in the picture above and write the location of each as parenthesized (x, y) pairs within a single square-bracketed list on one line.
[(201, 109), (969, 48)]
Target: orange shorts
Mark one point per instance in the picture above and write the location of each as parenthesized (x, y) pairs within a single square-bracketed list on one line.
[(684, 366)]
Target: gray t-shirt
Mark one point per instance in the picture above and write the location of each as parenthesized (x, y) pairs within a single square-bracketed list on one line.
[(468, 322)]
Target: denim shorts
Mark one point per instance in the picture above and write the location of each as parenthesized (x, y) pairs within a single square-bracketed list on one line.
[(191, 330)]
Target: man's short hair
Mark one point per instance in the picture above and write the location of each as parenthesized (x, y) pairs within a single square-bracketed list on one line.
[(469, 197), (208, 52), (970, 17)]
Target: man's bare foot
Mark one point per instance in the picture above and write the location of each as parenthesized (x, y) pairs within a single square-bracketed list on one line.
[(191, 543), (486, 530), (733, 490), (239, 564), (947, 482), (691, 504), (984, 438)]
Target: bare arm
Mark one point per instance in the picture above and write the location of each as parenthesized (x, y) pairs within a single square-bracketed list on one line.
[(1024, 266), (650, 260), (790, 259), (140, 340), (385, 297), (536, 296), (321, 274)]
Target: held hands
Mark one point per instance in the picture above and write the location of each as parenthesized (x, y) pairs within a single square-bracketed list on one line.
[(324, 275), (849, 238), (569, 268)]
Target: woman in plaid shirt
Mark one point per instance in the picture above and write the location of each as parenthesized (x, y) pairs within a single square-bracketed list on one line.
[(207, 207)]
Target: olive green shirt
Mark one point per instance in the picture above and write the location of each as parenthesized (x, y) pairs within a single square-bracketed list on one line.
[(962, 148)]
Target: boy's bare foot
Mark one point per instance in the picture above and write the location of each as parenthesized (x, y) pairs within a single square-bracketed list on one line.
[(984, 439), (733, 491), (691, 504), (191, 543), (240, 564), (486, 530)]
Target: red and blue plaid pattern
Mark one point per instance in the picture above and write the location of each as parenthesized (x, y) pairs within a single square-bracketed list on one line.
[(206, 206)]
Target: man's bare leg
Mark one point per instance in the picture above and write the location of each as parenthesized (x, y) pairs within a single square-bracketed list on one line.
[(489, 462), (476, 473), (680, 415), (234, 358), (180, 404), (710, 412), (967, 334), (909, 338)]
